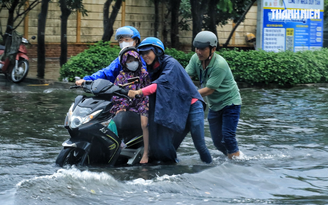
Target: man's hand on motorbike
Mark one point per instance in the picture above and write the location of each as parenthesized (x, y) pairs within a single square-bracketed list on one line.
[(132, 93), (79, 82)]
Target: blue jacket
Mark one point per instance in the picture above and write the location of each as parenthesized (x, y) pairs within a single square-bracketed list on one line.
[(169, 107), (174, 92), (110, 72)]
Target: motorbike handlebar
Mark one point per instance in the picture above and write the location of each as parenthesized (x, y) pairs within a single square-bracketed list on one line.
[(83, 85), (121, 92), (75, 86)]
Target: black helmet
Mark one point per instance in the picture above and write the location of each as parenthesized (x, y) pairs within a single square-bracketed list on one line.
[(124, 50), (205, 39)]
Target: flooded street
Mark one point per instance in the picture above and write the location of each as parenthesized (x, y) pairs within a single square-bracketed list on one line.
[(283, 134)]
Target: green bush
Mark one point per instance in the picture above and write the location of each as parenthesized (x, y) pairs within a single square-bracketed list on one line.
[(180, 56), (282, 68), (252, 67), (98, 56)]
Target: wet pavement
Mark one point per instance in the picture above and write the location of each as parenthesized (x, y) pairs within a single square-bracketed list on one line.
[(282, 134)]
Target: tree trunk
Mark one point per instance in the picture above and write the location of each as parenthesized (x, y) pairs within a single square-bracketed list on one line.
[(212, 11), (65, 12), (156, 23), (106, 19), (225, 45), (41, 32), (175, 5), (165, 24), (10, 20), (197, 11), (109, 21)]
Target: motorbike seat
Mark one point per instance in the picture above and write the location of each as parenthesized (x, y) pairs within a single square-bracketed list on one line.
[(128, 125)]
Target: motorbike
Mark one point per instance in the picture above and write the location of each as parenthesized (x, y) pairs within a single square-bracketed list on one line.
[(14, 61), (93, 138)]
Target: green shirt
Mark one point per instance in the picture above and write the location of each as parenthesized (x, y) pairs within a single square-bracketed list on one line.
[(217, 76)]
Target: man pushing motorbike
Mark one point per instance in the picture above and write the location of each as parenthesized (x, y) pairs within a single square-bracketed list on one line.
[(221, 89)]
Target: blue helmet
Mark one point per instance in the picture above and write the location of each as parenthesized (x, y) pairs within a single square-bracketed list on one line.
[(152, 42), (129, 31)]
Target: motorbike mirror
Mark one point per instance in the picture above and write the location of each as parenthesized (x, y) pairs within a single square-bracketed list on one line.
[(33, 37)]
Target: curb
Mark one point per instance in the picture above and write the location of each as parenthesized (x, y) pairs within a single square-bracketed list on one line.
[(39, 81), (47, 81)]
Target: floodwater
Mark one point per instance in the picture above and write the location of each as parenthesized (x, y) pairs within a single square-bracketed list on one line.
[(282, 134)]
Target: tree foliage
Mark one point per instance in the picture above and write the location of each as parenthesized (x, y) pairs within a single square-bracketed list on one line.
[(208, 14), (241, 18), (172, 27), (75, 5), (227, 10), (17, 10)]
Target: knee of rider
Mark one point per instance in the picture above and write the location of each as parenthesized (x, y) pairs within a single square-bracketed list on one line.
[(144, 125)]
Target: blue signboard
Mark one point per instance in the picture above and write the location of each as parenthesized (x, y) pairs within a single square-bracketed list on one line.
[(293, 25)]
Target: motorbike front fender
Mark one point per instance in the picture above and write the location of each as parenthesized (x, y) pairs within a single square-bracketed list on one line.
[(21, 55)]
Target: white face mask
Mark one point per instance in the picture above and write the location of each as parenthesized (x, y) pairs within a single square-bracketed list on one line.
[(133, 66), (126, 44)]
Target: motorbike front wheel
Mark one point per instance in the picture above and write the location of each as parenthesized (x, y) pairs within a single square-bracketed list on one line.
[(71, 156), (19, 73)]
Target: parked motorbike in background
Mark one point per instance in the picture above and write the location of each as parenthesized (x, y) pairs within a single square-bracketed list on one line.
[(14, 61), (98, 136)]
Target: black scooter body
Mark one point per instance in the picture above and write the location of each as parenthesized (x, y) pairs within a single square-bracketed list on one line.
[(93, 143)]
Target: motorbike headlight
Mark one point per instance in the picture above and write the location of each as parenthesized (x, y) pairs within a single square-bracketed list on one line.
[(81, 115)]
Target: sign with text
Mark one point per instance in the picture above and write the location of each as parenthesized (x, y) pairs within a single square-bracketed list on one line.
[(293, 25)]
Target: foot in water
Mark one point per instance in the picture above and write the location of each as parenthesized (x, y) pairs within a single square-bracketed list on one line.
[(236, 155), (144, 159)]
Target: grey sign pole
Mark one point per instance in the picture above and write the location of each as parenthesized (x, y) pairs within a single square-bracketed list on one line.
[(259, 28)]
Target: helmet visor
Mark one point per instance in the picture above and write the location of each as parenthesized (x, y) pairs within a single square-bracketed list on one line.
[(118, 37), (201, 45), (145, 48), (123, 32)]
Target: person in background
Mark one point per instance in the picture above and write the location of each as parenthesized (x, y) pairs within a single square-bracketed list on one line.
[(218, 84), (175, 106), (126, 36), (132, 67)]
